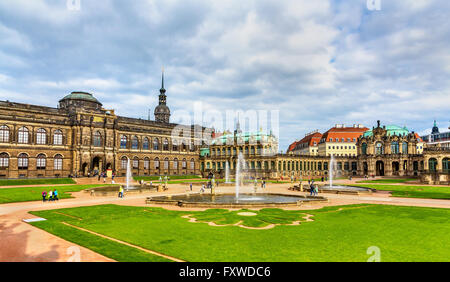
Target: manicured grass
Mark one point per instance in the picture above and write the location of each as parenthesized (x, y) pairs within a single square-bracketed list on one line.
[(402, 180), (17, 182), (155, 177), (401, 233), (411, 191), (26, 194)]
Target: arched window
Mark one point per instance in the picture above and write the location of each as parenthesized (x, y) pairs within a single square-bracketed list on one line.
[(146, 163), (156, 144), (364, 148), (183, 164), (192, 147), (4, 134), (22, 161), (395, 148), (405, 148), (123, 142), (57, 137), (252, 150), (58, 162), (123, 162), (4, 160), (136, 162), (97, 141), (175, 163), (166, 144), (166, 163), (41, 161), (156, 163), (134, 143), (23, 135), (41, 136), (145, 144), (432, 164), (174, 145), (446, 165), (192, 164), (379, 148)]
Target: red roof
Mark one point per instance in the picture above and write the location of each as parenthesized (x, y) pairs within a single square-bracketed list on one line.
[(343, 132), (418, 138), (309, 140)]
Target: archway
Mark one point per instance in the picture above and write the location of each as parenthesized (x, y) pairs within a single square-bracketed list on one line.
[(366, 168), (380, 168), (395, 168), (84, 169), (96, 165), (432, 165)]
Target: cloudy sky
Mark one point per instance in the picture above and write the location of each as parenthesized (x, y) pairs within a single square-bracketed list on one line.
[(318, 62)]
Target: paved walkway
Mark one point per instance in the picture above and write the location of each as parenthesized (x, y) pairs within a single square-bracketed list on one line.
[(23, 242)]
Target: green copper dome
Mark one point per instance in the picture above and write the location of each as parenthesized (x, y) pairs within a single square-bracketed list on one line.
[(81, 96), (245, 137), (391, 130)]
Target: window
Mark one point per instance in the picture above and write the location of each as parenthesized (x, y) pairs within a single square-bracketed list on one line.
[(134, 143), (192, 164), (166, 163), (4, 160), (331, 139), (4, 134), (184, 163), (404, 148), (146, 163), (58, 162), (166, 144), (124, 162), (364, 148), (23, 135), (395, 148), (135, 162), (342, 139), (123, 142), (174, 145), (156, 144), (41, 161), (97, 142), (22, 161), (57, 137), (156, 163), (145, 144), (192, 147), (379, 149), (41, 136), (175, 163)]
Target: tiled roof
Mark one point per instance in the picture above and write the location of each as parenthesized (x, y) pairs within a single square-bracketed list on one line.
[(344, 132)]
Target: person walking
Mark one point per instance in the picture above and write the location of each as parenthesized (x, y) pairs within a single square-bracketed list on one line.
[(50, 196), (44, 196), (121, 191), (55, 195), (190, 186)]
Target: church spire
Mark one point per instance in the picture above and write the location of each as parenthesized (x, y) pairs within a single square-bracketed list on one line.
[(162, 90)]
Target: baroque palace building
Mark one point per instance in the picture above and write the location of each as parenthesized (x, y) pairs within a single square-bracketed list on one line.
[(80, 137), (383, 151)]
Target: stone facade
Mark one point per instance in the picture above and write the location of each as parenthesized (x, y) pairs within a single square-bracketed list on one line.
[(80, 136)]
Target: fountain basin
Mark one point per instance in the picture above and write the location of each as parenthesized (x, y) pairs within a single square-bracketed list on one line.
[(255, 200), (113, 190), (342, 189)]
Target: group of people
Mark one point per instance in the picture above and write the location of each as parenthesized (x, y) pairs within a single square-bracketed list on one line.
[(313, 190), (52, 195)]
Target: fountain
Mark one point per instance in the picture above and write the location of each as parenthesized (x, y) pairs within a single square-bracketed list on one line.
[(227, 173), (240, 164), (128, 175), (330, 173), (330, 188)]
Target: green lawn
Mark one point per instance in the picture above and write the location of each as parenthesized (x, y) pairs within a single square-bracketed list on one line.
[(412, 191), (401, 233), (402, 180), (17, 182), (26, 194)]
